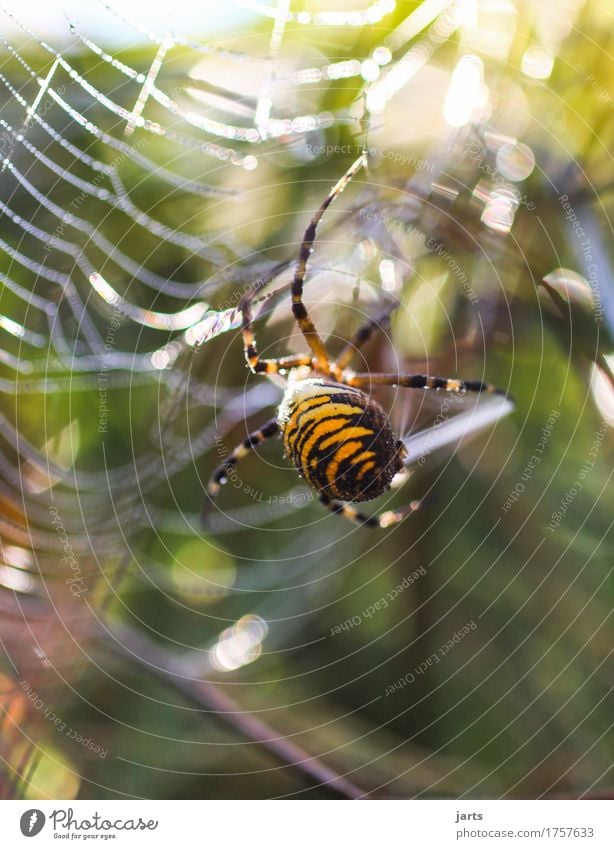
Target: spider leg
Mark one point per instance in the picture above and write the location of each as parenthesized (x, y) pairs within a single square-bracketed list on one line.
[(247, 331), (255, 364), (419, 381), (299, 311), (282, 364), (220, 474), (383, 520), (362, 335)]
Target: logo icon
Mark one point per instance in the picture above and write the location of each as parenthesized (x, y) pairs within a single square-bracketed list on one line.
[(32, 822)]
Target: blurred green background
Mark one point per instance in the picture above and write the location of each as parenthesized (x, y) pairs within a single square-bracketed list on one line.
[(180, 651)]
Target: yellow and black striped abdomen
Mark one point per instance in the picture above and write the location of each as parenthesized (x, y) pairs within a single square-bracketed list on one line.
[(340, 441)]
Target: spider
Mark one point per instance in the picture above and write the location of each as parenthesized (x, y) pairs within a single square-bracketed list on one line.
[(339, 439)]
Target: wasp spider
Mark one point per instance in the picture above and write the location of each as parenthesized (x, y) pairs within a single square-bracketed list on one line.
[(339, 439)]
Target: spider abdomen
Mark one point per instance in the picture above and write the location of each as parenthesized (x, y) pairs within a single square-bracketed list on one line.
[(339, 439)]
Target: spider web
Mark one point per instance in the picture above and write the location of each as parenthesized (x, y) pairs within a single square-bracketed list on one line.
[(76, 151), (111, 299), (56, 338)]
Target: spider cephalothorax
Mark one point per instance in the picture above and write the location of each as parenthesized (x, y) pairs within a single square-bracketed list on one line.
[(339, 439)]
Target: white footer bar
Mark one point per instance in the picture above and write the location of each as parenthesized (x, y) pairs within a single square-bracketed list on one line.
[(309, 824)]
